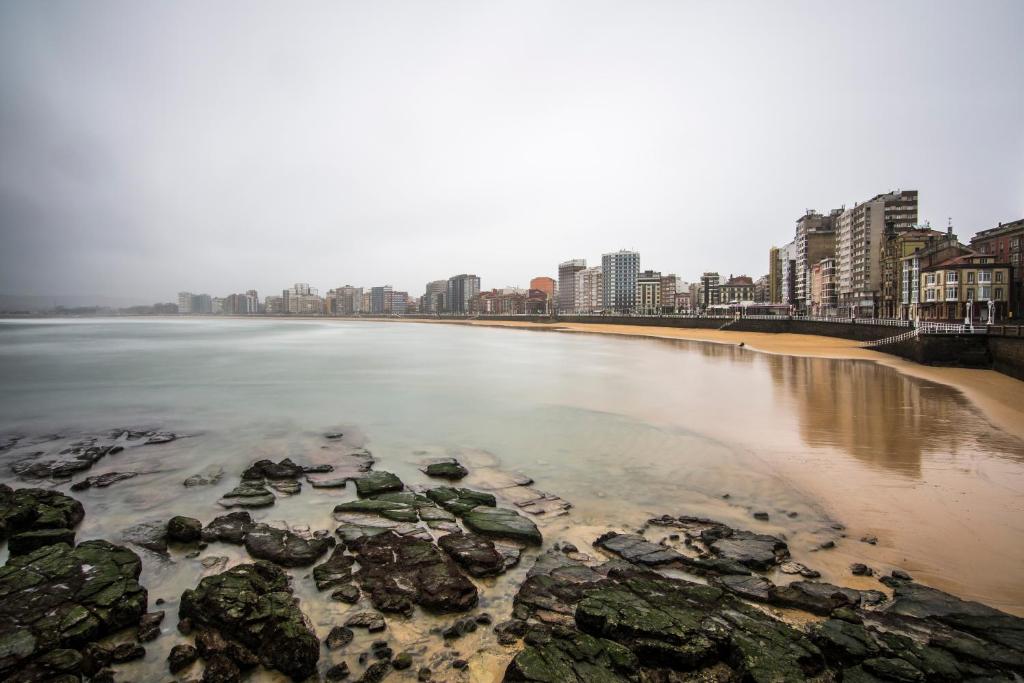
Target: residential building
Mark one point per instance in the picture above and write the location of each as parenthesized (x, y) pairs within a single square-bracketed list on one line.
[(859, 240), (648, 292), (364, 301), (462, 288), (545, 284), (761, 291), (399, 303), (971, 286), (202, 303), (775, 275), (620, 270), (302, 299), (696, 296), (274, 305), (898, 246), (217, 305), (184, 302), (683, 299), (822, 299), (433, 299), (567, 284), (787, 266), (815, 240), (669, 286), (709, 290), (588, 288), (381, 300), (936, 250), (1005, 243), (345, 300), (736, 289)]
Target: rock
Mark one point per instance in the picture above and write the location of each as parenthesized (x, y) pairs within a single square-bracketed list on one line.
[(376, 483), (335, 571), (568, 656), (399, 571), (57, 598), (473, 553), (813, 597), (459, 501), (901, 575), (842, 642), (102, 481), (161, 437), (208, 476), (28, 509), (127, 652), (337, 672), (402, 662), (754, 551), (181, 656), (229, 528), (827, 545), (149, 535), (333, 435), (267, 469), (348, 593), (636, 549), (220, 669), (397, 507), (339, 637), (184, 529), (459, 664), (284, 547), (508, 632), (448, 469), (248, 494), (328, 482), (253, 605), (502, 523), (424, 674), (381, 650), (870, 540), (859, 569), (375, 673), (755, 588), (149, 626), (459, 628), (761, 516), (27, 541), (371, 621), (792, 567), (893, 669)]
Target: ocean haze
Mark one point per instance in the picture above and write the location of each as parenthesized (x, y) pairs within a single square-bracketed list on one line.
[(147, 148)]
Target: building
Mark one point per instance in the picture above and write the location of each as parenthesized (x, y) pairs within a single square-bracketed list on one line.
[(815, 240), (898, 246), (381, 300), (461, 288), (761, 291), (433, 299), (787, 266), (648, 292), (709, 294), (683, 300), (567, 284), (184, 302), (937, 249), (346, 300), (217, 305), (399, 303), (274, 305), (364, 301), (775, 275), (736, 289), (859, 240), (1005, 243), (971, 287), (821, 294), (302, 299), (588, 288), (546, 286), (620, 270), (670, 284)]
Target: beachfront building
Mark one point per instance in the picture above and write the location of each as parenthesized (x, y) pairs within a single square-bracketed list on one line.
[(815, 239), (381, 300), (708, 290), (775, 275), (787, 266), (620, 270), (670, 284), (461, 288), (971, 286), (896, 247), (938, 248), (274, 305), (433, 299), (736, 289), (859, 238), (1005, 243), (567, 271), (822, 299), (589, 290), (648, 292)]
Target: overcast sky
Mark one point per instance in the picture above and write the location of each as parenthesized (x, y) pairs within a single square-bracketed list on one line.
[(147, 148)]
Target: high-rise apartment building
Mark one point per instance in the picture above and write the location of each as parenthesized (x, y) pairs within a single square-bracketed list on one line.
[(302, 299), (709, 294), (669, 288), (462, 288), (815, 240), (859, 241), (620, 270), (433, 299), (184, 302), (775, 275), (648, 292), (589, 291), (567, 271), (787, 266), (381, 300)]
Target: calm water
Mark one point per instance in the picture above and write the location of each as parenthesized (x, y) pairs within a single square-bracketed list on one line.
[(622, 428)]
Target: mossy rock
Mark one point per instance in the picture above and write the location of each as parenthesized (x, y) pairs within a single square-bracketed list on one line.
[(502, 523), (376, 483)]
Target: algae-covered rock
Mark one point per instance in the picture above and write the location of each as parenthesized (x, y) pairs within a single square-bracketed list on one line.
[(184, 529), (448, 469), (399, 571), (335, 571), (475, 554), (376, 483), (459, 501), (58, 597), (253, 605), (562, 655), (30, 509), (285, 547), (229, 528), (502, 523)]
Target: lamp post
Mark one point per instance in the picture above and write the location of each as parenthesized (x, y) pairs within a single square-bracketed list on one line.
[(991, 312), (967, 318)]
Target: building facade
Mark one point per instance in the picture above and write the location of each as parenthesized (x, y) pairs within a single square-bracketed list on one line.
[(939, 248), (972, 287), (815, 239), (567, 271), (670, 285), (461, 288), (648, 292), (589, 291), (898, 246), (775, 275), (433, 299), (620, 270), (736, 289), (709, 294), (1005, 243), (822, 300)]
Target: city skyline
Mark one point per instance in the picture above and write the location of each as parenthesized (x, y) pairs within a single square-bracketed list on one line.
[(347, 140)]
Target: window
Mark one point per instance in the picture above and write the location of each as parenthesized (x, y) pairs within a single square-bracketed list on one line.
[(970, 294), (929, 295), (950, 293), (970, 276), (929, 278), (984, 293), (951, 276), (984, 276), (999, 293), (999, 276)]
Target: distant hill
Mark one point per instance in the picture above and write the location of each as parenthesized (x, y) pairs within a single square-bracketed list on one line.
[(35, 304)]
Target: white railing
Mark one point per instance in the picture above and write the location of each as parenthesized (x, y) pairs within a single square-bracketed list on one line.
[(951, 328), (909, 334)]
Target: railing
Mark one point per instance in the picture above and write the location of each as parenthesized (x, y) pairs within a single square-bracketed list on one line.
[(909, 334), (951, 328)]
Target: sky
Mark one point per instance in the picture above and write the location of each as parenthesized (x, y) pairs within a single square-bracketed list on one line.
[(148, 148)]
